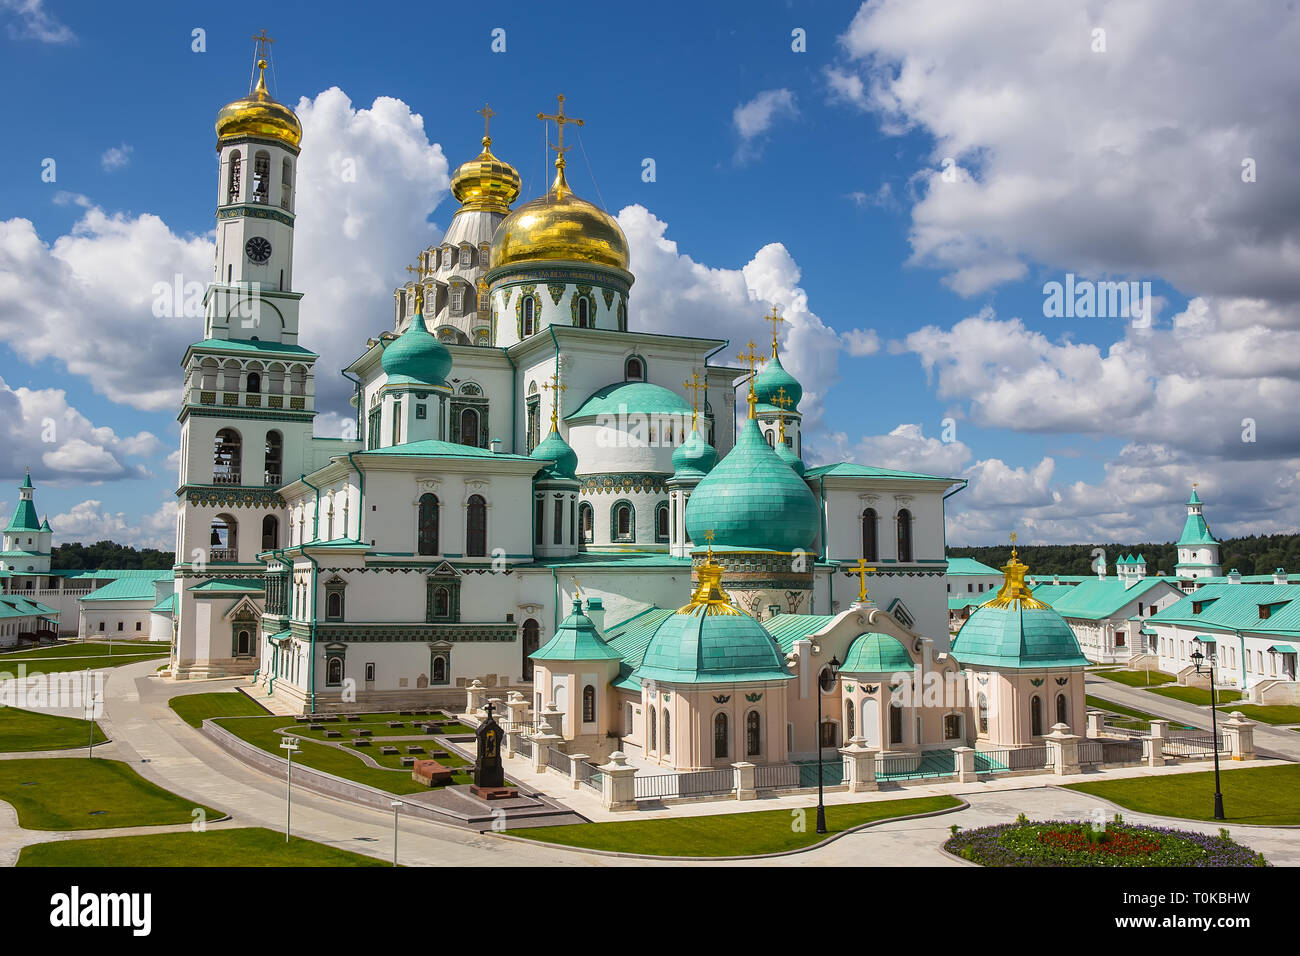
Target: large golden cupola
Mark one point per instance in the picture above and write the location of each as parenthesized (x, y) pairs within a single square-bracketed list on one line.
[(485, 182), (258, 116)]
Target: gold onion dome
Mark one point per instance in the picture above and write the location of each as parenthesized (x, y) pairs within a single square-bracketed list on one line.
[(485, 182), (258, 116), (560, 227)]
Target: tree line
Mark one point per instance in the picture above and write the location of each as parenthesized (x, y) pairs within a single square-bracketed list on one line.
[(109, 554)]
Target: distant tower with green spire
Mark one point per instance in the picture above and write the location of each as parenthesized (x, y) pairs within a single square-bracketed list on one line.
[(1198, 551), (27, 540)]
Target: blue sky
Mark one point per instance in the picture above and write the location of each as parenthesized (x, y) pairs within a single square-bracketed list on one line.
[(810, 179)]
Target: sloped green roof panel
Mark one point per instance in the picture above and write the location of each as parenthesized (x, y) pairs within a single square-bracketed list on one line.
[(848, 469), (958, 567), (873, 653), (788, 628), (1017, 638), (700, 648), (130, 589), (631, 398), (576, 639), (24, 518)]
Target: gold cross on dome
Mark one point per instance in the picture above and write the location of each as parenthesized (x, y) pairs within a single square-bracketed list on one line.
[(775, 318), (577, 589), (696, 386), (419, 286), (263, 41), (861, 570), (783, 401), (555, 386), (487, 114), (752, 358), (560, 119)]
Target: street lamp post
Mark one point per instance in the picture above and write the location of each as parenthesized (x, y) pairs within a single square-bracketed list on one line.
[(290, 747), (397, 805), (1197, 658), (825, 681), (89, 691)]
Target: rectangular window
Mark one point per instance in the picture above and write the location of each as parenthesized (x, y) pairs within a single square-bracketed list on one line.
[(559, 521), (539, 516), (137, 625), (119, 625), (421, 411), (370, 672), (101, 625), (397, 423)]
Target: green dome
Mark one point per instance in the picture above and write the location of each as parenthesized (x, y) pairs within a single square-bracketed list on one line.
[(876, 654), (576, 639), (710, 642), (775, 377), (417, 358), (627, 398), (693, 458), (1015, 630), (561, 458), (787, 455), (752, 499)]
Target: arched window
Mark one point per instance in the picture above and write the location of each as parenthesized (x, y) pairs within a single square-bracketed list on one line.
[(651, 743), (286, 182), (440, 670), (476, 527), (587, 522), (895, 724), (442, 602), (530, 315), (232, 183), (721, 738), (870, 548), (270, 532), (274, 468), (334, 606), (661, 521), (622, 316), (588, 704), (243, 644), (1062, 709), (224, 541), (623, 522), (848, 720), (771, 439), (584, 313), (531, 642), (627, 721), (254, 383), (428, 525), (904, 535), (261, 177), (753, 735), (634, 369), (984, 713), (668, 734), (334, 671), (469, 427), (1036, 716), (227, 452)]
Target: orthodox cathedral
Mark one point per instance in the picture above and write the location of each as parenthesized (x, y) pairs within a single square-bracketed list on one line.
[(540, 479)]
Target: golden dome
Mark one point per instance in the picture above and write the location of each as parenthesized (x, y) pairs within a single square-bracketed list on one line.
[(560, 226), (485, 182), (258, 116)]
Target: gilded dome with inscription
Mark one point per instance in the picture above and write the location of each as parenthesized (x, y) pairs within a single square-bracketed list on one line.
[(485, 182), (560, 227), (258, 116)]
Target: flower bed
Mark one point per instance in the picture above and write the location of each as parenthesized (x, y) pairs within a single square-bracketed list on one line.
[(1070, 843)]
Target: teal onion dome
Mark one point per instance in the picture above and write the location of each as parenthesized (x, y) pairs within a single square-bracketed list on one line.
[(1016, 630), (773, 378), (787, 455), (417, 358), (709, 641), (753, 500), (694, 458), (561, 460)]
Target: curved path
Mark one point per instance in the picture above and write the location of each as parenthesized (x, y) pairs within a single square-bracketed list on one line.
[(147, 734)]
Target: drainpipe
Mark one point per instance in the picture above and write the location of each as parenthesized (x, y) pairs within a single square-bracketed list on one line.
[(706, 388), (962, 487), (826, 551), (514, 396), (361, 496), (315, 572), (357, 382), (555, 617), (277, 553), (555, 397)]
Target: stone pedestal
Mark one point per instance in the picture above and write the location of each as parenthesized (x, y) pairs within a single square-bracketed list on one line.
[(1239, 736), (1095, 718), (859, 765), (744, 780), (1160, 728), (517, 707), (1153, 751), (1063, 749), (964, 757), (547, 736), (474, 697), (618, 789), (578, 760)]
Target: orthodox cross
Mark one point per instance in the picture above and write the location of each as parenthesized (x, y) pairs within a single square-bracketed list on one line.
[(419, 286), (784, 401), (775, 318), (861, 569), (752, 358), (1013, 544), (577, 588), (263, 43), (487, 114), (696, 387), (555, 386), (708, 539), (560, 119), (488, 710)]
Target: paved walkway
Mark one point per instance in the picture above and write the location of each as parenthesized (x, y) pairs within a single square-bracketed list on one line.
[(164, 749)]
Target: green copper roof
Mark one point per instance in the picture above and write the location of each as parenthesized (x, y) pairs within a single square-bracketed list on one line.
[(1098, 598), (788, 628), (1195, 499), (433, 448), (960, 566), (694, 458), (752, 499), (27, 480), (230, 586), (417, 358), (1235, 607), (628, 398), (630, 637), (45, 524), (166, 606), (562, 460), (872, 653), (787, 455), (24, 518), (576, 639), (1020, 637), (848, 469), (252, 345), (774, 377), (700, 648), (1196, 531), (130, 589)]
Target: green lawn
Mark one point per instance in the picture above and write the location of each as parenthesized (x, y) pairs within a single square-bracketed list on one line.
[(22, 730), (88, 649), (1196, 695), (1139, 719), (196, 708), (1137, 678), (1263, 795), (57, 665), (1271, 714), (378, 727), (69, 793), (253, 846), (730, 834), (261, 732)]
